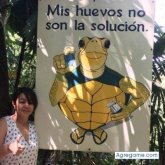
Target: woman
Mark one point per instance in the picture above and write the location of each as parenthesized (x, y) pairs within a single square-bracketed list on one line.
[(18, 138)]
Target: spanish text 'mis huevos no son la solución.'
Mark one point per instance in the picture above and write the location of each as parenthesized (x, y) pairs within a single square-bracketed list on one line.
[(106, 25)]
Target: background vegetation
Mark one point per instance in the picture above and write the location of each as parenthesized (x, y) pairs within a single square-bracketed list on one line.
[(18, 36)]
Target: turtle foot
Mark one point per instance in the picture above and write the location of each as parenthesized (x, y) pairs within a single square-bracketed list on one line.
[(99, 136), (77, 136)]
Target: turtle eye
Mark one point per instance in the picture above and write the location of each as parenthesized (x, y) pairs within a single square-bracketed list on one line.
[(107, 43), (81, 43)]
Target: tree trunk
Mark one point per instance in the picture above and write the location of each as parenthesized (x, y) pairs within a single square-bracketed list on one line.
[(4, 84), (21, 56)]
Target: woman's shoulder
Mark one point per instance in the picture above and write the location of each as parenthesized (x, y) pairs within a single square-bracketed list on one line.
[(3, 123), (7, 118), (32, 124), (4, 119), (32, 129)]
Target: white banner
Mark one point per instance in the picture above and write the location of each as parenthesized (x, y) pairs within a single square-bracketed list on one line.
[(93, 79)]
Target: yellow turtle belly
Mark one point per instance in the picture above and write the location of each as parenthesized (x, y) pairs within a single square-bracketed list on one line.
[(86, 104)]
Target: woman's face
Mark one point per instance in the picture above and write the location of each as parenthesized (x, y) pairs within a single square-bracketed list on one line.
[(22, 106)]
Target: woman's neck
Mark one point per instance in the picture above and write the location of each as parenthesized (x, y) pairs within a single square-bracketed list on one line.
[(20, 120)]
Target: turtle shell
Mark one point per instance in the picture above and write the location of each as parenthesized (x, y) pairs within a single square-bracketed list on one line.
[(85, 102)]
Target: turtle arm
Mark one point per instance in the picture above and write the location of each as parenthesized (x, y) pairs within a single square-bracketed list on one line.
[(139, 94), (58, 89)]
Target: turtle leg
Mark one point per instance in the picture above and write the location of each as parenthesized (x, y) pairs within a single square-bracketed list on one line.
[(77, 136), (99, 136)]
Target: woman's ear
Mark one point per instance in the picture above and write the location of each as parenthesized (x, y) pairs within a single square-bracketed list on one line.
[(13, 104)]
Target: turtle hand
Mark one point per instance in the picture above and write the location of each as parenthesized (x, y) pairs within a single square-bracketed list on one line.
[(124, 113), (59, 64)]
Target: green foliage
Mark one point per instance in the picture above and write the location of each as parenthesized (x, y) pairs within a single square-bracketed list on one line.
[(157, 129), (21, 43)]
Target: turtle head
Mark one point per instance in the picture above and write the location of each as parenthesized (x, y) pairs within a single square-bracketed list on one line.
[(93, 52)]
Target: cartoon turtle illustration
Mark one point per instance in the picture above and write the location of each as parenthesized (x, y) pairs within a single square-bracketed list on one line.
[(91, 94)]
